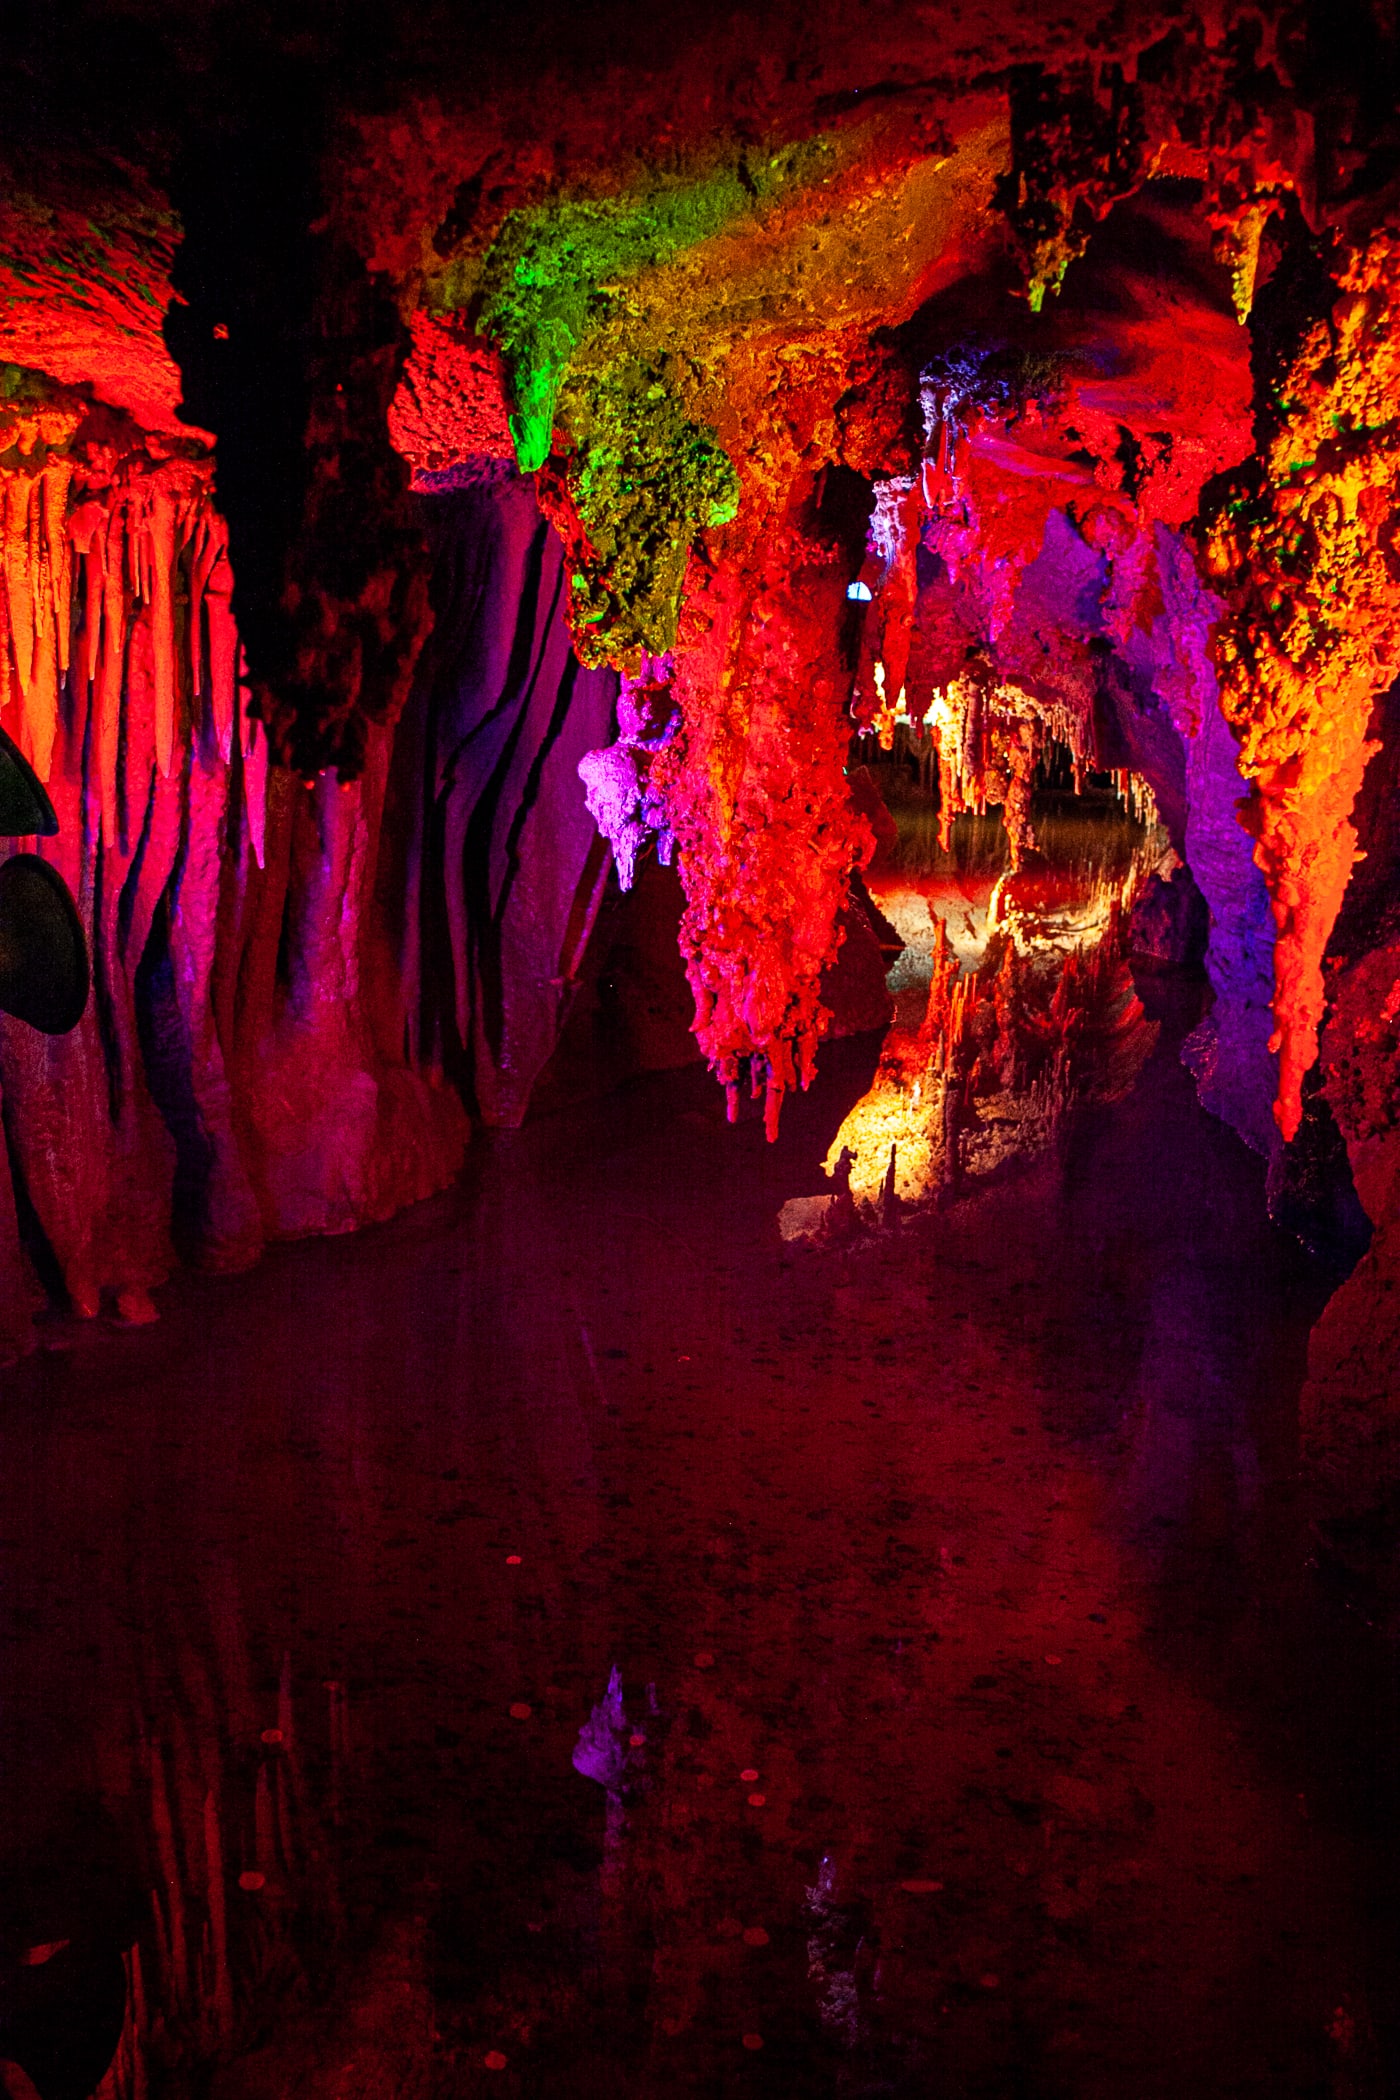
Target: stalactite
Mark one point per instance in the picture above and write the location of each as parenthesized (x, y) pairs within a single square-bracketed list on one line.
[(37, 574), (122, 679), (988, 731), (753, 789)]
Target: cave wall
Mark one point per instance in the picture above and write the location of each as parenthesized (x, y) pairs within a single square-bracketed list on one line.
[(507, 870), (238, 1074), (293, 997)]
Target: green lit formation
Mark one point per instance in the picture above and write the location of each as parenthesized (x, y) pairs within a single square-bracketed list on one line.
[(644, 478), (21, 388), (591, 374), (553, 276)]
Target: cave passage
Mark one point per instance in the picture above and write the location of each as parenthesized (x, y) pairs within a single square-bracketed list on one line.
[(982, 1730), (699, 1050), (1010, 980)]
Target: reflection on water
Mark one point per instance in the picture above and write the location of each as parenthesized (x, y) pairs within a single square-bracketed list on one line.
[(1013, 997), (958, 1772)]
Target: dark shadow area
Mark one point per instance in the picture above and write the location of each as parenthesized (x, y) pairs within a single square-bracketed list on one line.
[(165, 1057)]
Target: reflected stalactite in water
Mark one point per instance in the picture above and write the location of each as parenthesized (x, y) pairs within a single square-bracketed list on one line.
[(1014, 998)]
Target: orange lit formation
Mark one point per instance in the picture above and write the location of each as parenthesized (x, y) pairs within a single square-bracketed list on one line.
[(986, 1069), (538, 544), (1306, 551), (93, 507)]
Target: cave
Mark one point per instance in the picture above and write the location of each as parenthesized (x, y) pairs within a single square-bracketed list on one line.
[(700, 1050)]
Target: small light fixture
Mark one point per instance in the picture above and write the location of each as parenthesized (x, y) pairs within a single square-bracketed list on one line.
[(859, 591)]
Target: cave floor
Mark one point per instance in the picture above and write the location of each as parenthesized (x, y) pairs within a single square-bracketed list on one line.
[(980, 1543)]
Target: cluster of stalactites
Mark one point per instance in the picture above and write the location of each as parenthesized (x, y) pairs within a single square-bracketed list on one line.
[(989, 734), (90, 545), (988, 740)]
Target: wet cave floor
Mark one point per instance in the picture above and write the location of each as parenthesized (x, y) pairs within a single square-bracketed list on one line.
[(981, 1544)]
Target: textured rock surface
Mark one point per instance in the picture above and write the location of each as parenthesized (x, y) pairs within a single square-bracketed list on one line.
[(507, 869), (1304, 547), (755, 792), (1016, 387), (238, 1073), (1350, 1432)]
